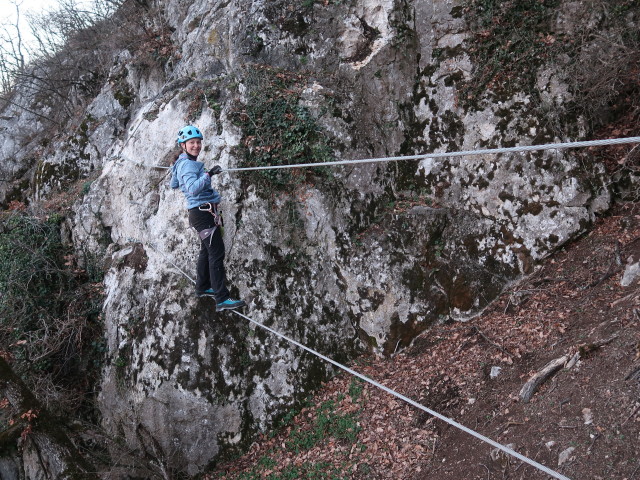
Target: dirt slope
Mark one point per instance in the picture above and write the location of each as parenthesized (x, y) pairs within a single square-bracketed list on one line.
[(583, 422)]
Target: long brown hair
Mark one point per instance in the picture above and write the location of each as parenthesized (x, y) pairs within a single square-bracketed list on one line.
[(176, 155)]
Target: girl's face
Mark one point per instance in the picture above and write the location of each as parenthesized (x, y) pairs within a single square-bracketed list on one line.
[(193, 146)]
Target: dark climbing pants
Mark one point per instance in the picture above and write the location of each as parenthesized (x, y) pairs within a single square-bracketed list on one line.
[(210, 271)]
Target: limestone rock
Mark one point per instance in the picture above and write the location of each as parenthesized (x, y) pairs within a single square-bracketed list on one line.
[(365, 258)]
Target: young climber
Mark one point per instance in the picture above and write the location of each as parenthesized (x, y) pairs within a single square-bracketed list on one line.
[(202, 202)]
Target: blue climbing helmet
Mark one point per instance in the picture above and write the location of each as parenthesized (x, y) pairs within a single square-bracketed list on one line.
[(188, 132)]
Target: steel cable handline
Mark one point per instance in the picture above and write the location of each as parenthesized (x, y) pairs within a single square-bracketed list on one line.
[(493, 443), (424, 156), (164, 255), (473, 433), (490, 151), (551, 146)]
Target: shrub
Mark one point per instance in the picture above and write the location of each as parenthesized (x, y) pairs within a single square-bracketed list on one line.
[(48, 312), (512, 39), (71, 55)]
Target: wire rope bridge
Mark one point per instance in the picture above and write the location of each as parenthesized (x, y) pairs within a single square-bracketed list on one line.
[(529, 148)]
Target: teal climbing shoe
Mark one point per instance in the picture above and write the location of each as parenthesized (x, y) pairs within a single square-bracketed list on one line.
[(207, 293), (229, 304)]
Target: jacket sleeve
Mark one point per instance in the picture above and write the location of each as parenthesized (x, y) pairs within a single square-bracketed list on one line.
[(194, 181), (174, 183)]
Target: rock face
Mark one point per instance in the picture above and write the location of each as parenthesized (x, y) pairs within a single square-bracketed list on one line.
[(367, 257)]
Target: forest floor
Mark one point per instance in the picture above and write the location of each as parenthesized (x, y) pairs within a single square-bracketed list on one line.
[(583, 422)]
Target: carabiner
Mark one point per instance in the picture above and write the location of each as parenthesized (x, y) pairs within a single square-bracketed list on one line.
[(208, 207)]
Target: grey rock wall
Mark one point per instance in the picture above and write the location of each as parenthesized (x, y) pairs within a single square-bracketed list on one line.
[(365, 259)]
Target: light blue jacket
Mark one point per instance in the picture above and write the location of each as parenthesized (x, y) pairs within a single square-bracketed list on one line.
[(194, 181)]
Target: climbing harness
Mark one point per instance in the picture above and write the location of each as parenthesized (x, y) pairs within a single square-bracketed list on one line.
[(212, 208)]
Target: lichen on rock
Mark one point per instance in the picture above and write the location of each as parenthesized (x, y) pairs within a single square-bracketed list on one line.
[(359, 257)]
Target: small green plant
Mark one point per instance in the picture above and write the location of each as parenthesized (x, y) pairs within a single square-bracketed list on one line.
[(266, 462), (120, 362), (328, 423), (355, 389), (252, 475), (307, 471), (245, 360), (284, 421), (438, 247), (99, 350), (151, 115)]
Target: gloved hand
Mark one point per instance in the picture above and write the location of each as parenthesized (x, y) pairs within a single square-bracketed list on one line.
[(215, 170)]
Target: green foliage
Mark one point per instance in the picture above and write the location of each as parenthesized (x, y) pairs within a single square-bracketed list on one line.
[(277, 130), (288, 418), (120, 362), (355, 389), (306, 471), (328, 423), (48, 311), (31, 268), (266, 462), (249, 476), (510, 40), (201, 95), (438, 247), (334, 420), (124, 95)]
